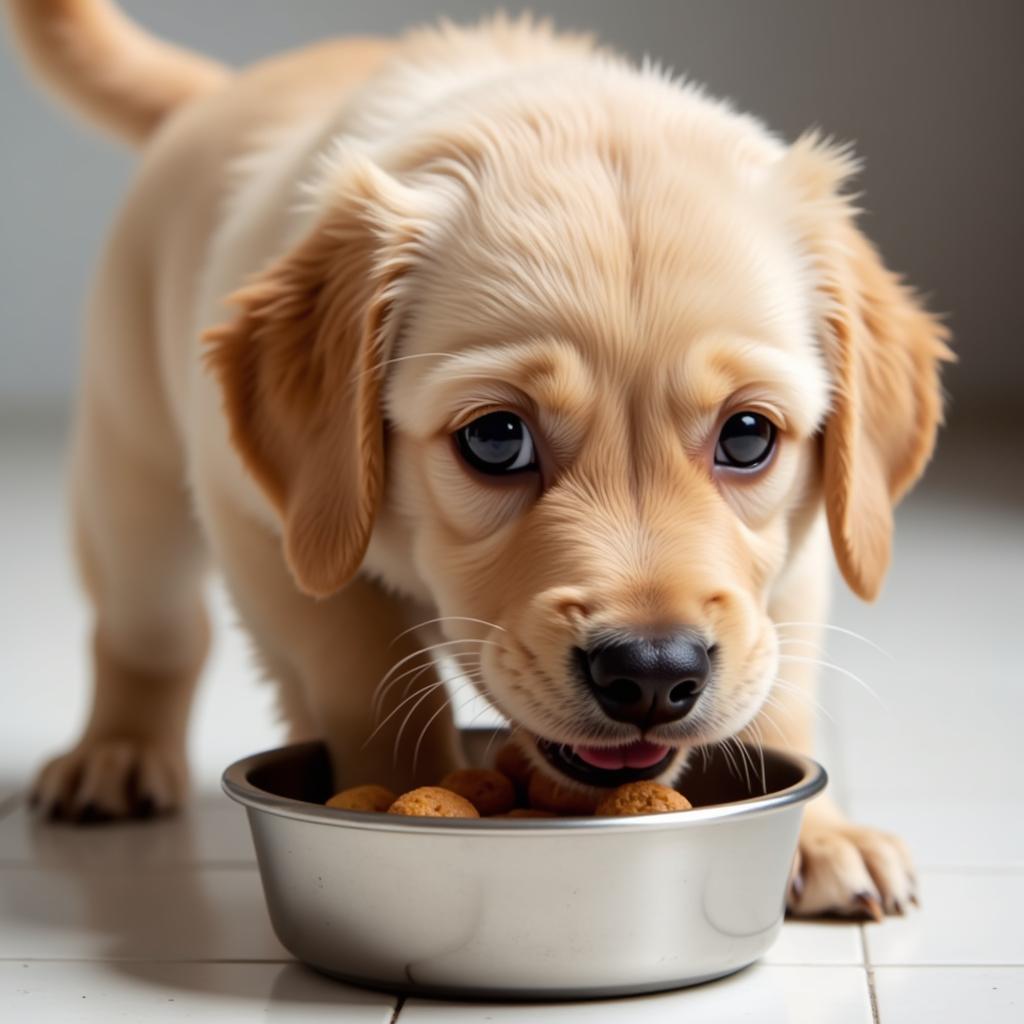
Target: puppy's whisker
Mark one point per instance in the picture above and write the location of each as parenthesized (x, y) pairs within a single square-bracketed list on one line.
[(747, 757), (792, 690), (754, 764), (434, 647), (408, 686), (494, 734), (487, 701), (425, 650), (783, 710), (377, 703), (432, 664), (446, 706), (480, 711), (470, 679), (466, 681), (408, 718), (380, 695), (466, 661), (425, 690), (835, 629), (742, 751), (762, 713), (445, 618), (726, 753), (759, 738), (476, 715), (438, 646), (836, 668)]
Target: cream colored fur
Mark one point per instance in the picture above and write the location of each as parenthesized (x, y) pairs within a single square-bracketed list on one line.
[(415, 232)]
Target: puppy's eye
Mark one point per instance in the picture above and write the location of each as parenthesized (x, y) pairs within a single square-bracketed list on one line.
[(746, 440), (497, 443)]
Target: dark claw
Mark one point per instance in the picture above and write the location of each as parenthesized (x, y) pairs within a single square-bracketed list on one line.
[(869, 904), (145, 807), (91, 814)]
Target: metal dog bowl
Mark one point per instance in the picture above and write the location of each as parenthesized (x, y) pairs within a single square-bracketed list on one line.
[(525, 908)]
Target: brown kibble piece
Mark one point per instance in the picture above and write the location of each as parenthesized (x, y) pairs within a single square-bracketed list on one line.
[(548, 795), (642, 798), (433, 802), (488, 791), (513, 763), (363, 798)]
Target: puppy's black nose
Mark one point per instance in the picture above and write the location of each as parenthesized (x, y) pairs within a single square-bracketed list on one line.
[(647, 681)]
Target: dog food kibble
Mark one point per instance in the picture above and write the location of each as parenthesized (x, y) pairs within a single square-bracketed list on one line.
[(363, 798), (433, 802), (488, 791), (642, 798), (547, 795), (513, 763)]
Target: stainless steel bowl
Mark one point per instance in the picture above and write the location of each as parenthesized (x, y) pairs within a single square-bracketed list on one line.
[(526, 908)]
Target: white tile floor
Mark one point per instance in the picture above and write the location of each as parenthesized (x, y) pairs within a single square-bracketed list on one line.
[(165, 921)]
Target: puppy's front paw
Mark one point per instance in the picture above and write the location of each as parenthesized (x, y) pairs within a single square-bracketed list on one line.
[(850, 870), (106, 780)]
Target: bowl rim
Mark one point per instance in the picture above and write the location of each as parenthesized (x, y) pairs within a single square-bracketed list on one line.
[(235, 783)]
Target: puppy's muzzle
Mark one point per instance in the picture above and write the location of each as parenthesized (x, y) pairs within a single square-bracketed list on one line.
[(647, 680)]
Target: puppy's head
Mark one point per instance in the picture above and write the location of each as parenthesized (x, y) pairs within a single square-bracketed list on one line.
[(583, 379)]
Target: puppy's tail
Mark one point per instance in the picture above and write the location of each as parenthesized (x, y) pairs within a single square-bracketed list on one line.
[(101, 63)]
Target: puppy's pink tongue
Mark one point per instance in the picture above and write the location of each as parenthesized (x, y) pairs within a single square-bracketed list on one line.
[(640, 754), (643, 755)]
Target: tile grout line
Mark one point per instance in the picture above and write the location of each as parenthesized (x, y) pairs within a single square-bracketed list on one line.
[(948, 967), (870, 971)]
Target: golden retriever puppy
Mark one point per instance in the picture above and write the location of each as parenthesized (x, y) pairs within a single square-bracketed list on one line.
[(483, 343)]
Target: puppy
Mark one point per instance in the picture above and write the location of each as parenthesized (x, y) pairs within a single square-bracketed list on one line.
[(481, 344)]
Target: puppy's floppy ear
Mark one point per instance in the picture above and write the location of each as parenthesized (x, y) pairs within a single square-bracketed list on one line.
[(883, 350), (300, 370)]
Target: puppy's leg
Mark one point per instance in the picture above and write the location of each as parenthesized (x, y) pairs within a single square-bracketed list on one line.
[(379, 702), (142, 561), (841, 867), (329, 658)]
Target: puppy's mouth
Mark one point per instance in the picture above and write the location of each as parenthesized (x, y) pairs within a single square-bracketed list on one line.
[(608, 767)]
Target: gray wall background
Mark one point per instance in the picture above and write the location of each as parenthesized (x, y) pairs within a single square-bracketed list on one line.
[(930, 91)]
